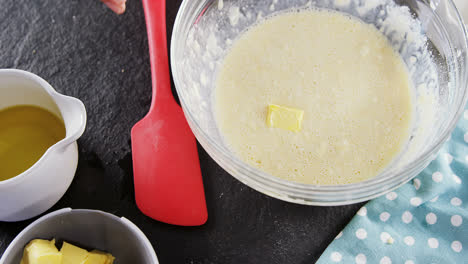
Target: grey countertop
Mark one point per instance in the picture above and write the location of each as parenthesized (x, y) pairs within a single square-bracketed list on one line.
[(86, 51)]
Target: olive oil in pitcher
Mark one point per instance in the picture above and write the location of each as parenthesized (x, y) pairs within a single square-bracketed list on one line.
[(26, 132)]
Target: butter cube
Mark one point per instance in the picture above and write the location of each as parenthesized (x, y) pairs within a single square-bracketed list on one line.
[(40, 251), (73, 254), (284, 117), (98, 257)]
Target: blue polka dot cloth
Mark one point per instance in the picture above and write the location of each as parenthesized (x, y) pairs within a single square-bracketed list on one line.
[(424, 221)]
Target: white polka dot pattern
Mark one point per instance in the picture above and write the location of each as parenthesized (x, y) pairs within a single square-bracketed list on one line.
[(384, 237), (339, 235), (362, 211), (415, 201), (456, 201), (384, 216), (448, 158), (335, 257), (437, 176), (361, 233), (391, 196), (409, 240), (431, 218), (407, 217), (456, 179), (385, 260), (424, 218), (433, 243), (361, 259), (456, 220), (456, 246), (417, 184)]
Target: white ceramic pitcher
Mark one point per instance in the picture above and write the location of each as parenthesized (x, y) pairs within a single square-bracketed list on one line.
[(42, 185)]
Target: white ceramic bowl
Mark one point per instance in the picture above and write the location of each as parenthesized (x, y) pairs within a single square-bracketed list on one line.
[(42, 185), (89, 229)]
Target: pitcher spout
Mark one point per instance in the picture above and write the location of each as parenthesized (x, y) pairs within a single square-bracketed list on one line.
[(73, 113)]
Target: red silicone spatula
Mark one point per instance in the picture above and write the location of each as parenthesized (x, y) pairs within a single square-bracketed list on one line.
[(168, 182)]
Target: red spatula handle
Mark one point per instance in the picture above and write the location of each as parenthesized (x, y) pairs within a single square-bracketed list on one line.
[(155, 14)]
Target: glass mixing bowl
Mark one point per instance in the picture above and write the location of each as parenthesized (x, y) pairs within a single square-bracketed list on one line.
[(429, 35)]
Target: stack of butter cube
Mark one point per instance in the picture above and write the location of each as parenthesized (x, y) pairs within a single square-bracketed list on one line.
[(40, 251)]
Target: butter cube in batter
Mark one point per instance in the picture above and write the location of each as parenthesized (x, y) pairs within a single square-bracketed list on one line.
[(284, 117), (73, 254), (40, 251)]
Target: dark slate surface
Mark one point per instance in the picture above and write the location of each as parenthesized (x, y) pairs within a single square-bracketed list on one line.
[(85, 50)]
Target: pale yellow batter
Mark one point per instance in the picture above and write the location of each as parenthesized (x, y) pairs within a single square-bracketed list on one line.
[(353, 88)]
